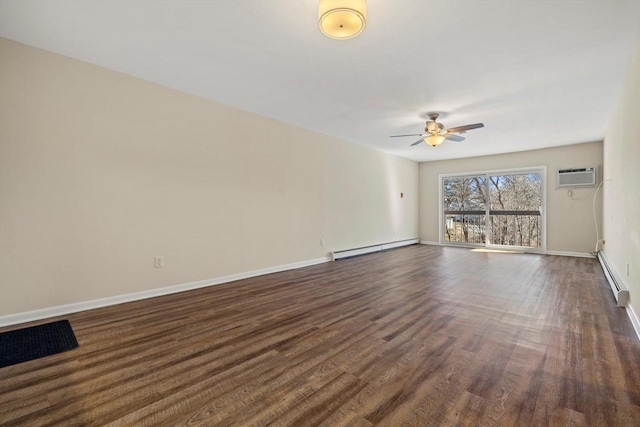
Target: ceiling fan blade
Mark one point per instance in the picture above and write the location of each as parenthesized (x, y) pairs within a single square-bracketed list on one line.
[(456, 138), (466, 127), (410, 134), (418, 142)]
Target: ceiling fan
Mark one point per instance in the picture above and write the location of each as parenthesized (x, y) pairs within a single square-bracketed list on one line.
[(435, 133)]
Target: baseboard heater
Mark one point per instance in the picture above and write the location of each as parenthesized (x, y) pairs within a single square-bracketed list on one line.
[(619, 291), (373, 248)]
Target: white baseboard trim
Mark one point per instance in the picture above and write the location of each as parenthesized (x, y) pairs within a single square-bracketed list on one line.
[(635, 321), (575, 254), (29, 316), (429, 242)]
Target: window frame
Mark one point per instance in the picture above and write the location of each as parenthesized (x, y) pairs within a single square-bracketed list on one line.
[(542, 170)]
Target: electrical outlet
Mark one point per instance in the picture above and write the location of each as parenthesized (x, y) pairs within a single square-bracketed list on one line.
[(627, 269), (158, 262), (321, 242)]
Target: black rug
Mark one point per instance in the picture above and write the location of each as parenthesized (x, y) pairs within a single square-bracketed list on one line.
[(31, 343)]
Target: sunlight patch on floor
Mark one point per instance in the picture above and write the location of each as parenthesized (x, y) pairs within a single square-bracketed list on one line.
[(502, 251)]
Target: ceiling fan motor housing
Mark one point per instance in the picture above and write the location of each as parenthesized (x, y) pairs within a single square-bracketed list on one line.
[(433, 127)]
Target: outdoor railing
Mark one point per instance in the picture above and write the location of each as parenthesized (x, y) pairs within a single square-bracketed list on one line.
[(509, 228), (464, 227)]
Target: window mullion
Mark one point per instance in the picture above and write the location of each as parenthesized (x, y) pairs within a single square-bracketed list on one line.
[(488, 232)]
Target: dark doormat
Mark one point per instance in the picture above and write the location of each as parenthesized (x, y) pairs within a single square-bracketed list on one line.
[(31, 343)]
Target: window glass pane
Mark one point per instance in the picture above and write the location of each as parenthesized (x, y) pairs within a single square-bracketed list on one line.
[(516, 192), (515, 207), (464, 202), (464, 193)]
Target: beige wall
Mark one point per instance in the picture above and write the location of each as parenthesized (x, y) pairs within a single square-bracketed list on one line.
[(570, 225), (621, 205), (100, 172)]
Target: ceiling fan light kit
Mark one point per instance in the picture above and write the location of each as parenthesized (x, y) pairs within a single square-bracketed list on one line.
[(434, 140), (342, 19)]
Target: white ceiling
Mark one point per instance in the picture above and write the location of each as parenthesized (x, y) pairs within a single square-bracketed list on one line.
[(537, 73)]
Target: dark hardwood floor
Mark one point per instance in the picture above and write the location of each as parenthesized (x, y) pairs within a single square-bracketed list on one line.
[(417, 336)]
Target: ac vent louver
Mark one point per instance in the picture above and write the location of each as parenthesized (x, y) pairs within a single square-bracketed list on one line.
[(577, 177)]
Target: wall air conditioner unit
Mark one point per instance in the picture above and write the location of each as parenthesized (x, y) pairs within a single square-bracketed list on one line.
[(577, 177)]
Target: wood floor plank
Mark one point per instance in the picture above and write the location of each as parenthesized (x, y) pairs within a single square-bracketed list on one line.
[(420, 335)]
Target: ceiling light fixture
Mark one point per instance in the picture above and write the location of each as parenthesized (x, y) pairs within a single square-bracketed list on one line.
[(342, 19), (434, 140)]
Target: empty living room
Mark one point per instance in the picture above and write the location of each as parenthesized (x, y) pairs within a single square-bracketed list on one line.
[(319, 212)]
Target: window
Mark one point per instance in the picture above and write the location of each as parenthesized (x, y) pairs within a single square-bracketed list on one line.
[(498, 208)]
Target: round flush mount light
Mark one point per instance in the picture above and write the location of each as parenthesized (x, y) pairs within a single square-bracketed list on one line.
[(342, 19)]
